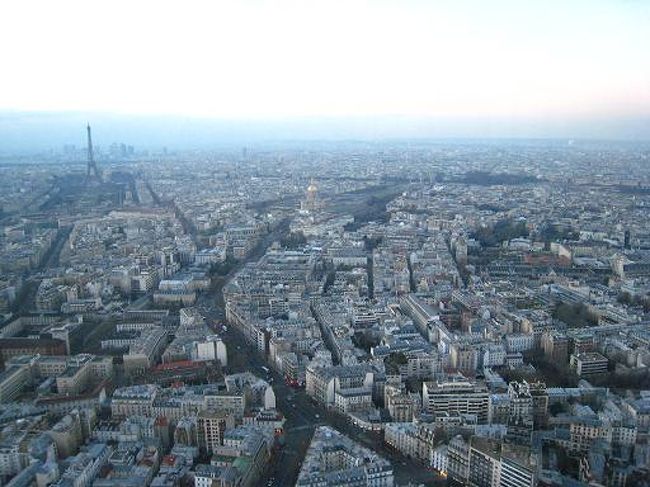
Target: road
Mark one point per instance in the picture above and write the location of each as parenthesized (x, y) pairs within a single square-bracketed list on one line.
[(303, 415), (51, 257), (300, 413), (25, 301)]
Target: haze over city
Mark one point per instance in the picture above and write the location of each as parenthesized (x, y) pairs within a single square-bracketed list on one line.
[(327, 69)]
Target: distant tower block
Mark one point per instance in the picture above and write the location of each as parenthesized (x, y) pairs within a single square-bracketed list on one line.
[(91, 171)]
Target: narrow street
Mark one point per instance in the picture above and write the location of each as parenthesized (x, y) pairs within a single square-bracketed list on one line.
[(303, 415)]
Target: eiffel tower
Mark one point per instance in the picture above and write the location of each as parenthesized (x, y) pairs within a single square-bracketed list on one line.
[(92, 172)]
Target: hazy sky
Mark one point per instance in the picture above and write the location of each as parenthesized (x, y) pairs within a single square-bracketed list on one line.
[(520, 59)]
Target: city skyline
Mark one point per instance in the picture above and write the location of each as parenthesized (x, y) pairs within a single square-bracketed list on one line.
[(34, 132)]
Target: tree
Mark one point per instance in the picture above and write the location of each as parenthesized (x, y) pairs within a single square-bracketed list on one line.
[(557, 408), (441, 436), (414, 384), (294, 240), (365, 340), (624, 298), (554, 374), (550, 232), (394, 360), (371, 243), (483, 178), (575, 315), (329, 280), (635, 379), (505, 229), (222, 268)]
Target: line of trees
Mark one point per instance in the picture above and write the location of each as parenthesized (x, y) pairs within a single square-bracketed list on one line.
[(293, 240), (483, 178), (223, 268), (501, 231), (575, 315)]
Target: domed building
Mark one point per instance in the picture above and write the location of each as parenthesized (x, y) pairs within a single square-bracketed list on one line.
[(311, 202)]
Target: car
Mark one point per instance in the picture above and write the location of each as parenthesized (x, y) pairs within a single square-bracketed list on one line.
[(317, 416)]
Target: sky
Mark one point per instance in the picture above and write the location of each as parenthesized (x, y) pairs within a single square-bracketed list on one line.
[(578, 63)]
